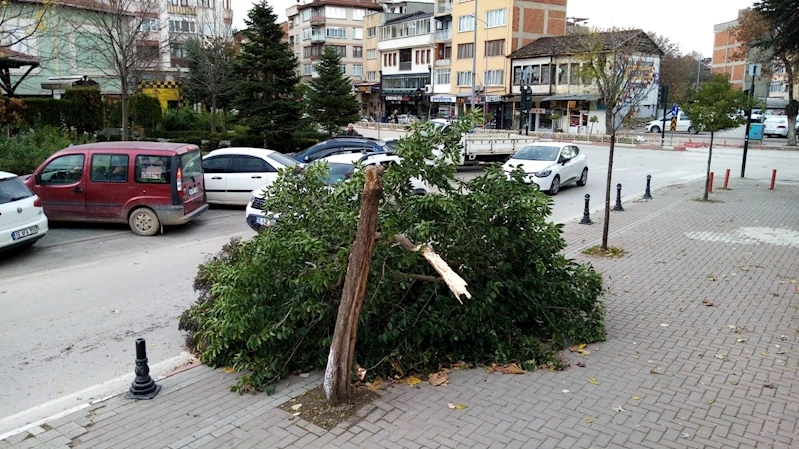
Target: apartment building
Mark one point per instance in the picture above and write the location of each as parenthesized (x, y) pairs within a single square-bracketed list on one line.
[(335, 23), (473, 39)]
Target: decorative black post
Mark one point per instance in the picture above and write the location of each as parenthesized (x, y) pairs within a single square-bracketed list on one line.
[(586, 218), (647, 194), (618, 207), (143, 387)]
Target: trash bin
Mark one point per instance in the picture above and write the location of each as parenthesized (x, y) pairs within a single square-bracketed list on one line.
[(755, 131)]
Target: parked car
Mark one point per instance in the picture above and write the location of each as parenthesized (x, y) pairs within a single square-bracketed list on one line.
[(145, 184), (22, 218), (406, 119), (341, 145), (339, 168), (683, 124), (231, 174), (757, 116), (550, 165), (775, 126)]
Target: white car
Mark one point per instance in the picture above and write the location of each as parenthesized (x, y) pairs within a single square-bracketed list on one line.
[(406, 119), (341, 165), (683, 124), (550, 165), (776, 126), (231, 174), (22, 218)]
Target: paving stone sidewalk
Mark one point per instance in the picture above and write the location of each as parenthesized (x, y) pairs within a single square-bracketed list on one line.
[(701, 352)]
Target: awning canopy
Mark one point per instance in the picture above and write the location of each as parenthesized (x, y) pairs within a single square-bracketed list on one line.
[(11, 59), (570, 97)]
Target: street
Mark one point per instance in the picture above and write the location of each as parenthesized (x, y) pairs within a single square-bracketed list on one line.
[(75, 302)]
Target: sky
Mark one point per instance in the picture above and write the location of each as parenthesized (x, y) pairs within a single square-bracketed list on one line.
[(688, 23)]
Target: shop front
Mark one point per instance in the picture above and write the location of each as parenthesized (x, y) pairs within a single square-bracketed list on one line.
[(571, 113), (369, 98), (444, 106)]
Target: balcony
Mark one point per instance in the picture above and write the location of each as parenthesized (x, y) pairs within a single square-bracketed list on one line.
[(444, 8), (317, 20), (405, 65), (184, 10), (444, 35), (318, 38), (443, 62)]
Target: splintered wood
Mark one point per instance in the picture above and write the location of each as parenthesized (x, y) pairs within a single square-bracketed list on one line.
[(455, 283)]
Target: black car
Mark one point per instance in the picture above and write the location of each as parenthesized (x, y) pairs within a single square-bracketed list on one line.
[(341, 145)]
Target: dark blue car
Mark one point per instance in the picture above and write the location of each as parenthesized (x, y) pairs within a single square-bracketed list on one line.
[(341, 145)]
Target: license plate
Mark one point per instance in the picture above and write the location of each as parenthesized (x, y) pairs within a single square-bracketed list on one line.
[(193, 190), (22, 233)]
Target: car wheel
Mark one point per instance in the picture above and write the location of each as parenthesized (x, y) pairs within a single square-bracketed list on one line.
[(144, 222), (555, 187), (583, 178), (655, 129)]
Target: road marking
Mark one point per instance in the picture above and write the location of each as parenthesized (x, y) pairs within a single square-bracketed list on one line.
[(183, 245), (49, 272), (108, 389)]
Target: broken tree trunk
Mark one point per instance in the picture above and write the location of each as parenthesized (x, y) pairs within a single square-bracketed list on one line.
[(455, 283), (338, 374)]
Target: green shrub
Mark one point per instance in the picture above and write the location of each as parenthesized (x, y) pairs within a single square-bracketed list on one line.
[(86, 109), (179, 119), (246, 140), (145, 111), (268, 305), (47, 111), (193, 140), (24, 152), (204, 121), (113, 114)]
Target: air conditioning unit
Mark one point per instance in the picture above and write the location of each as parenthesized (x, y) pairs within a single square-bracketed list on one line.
[(428, 88), (480, 89)]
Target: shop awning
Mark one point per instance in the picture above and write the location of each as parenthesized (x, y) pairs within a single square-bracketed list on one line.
[(518, 97), (570, 97)]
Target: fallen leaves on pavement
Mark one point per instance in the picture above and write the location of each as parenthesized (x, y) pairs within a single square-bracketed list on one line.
[(438, 379), (456, 406)]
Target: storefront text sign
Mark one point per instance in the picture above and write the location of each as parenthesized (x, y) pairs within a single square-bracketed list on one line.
[(538, 111), (443, 99), (393, 97), (493, 98)]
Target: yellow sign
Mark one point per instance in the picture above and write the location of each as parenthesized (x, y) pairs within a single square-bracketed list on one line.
[(674, 123), (572, 104)]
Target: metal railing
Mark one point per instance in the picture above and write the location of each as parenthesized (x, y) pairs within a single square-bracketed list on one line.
[(405, 65), (444, 7), (444, 35), (443, 62)]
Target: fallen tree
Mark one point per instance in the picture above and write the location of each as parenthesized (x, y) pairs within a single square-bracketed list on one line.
[(270, 305)]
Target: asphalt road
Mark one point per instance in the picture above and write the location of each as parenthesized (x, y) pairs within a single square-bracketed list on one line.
[(73, 304)]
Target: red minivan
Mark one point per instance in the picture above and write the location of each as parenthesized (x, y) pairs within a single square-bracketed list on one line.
[(145, 184)]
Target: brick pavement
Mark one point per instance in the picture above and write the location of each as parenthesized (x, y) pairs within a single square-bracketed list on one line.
[(678, 373)]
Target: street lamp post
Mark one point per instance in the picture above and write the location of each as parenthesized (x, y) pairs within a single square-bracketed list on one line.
[(430, 94), (474, 57)]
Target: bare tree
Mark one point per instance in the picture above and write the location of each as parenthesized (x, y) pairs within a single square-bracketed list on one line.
[(21, 20), (622, 66), (122, 43)]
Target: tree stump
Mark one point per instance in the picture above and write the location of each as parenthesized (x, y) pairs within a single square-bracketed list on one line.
[(337, 382)]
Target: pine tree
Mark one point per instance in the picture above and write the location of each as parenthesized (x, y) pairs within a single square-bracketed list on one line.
[(266, 70), (330, 98)]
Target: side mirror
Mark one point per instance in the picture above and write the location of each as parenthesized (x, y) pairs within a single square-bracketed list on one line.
[(38, 178)]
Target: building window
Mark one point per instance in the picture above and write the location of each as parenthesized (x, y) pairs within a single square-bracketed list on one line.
[(495, 48), (371, 53), (207, 29), (357, 70), (306, 33), (177, 50), (341, 50), (495, 18), (442, 76), (335, 12), (465, 51), (336, 32), (574, 74), (184, 2), (357, 14), (305, 15), (307, 69), (207, 3), (546, 73), (357, 33), (182, 26), (493, 77), (427, 57), (777, 87), (445, 53), (464, 78), (371, 76), (357, 52), (148, 52), (148, 25), (371, 32), (563, 74), (417, 57), (343, 68), (410, 28), (466, 23)]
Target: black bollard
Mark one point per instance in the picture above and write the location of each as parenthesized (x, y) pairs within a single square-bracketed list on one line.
[(618, 207), (647, 194), (143, 387), (586, 218)]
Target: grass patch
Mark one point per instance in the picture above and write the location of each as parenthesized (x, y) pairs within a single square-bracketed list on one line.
[(610, 253)]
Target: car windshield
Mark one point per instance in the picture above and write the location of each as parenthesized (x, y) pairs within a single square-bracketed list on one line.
[(392, 145), (338, 172), (192, 163), (282, 159), (12, 189), (537, 153)]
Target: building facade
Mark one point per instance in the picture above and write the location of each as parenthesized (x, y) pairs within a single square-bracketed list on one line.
[(335, 23)]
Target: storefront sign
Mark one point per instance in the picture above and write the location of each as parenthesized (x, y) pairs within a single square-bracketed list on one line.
[(493, 99), (365, 89), (538, 111), (393, 97), (572, 104), (443, 99)]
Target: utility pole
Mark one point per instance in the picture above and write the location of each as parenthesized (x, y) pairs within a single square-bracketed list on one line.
[(474, 58), (754, 70)]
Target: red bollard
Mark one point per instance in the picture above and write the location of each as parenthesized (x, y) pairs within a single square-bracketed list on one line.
[(773, 178), (710, 183), (726, 179)]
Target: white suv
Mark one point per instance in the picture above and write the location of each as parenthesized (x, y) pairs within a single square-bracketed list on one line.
[(22, 219)]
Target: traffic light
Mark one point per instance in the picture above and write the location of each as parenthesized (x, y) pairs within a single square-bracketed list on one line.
[(526, 101)]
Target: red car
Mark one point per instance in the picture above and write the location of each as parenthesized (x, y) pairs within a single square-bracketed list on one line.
[(145, 184)]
